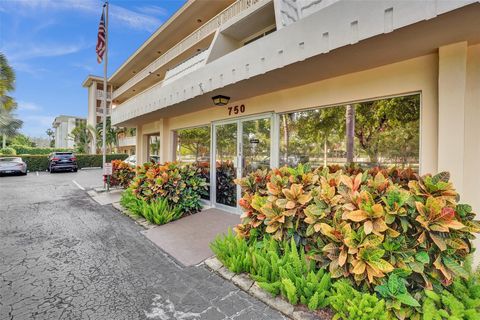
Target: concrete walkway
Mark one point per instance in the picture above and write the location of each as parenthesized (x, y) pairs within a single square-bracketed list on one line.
[(188, 239), (105, 198)]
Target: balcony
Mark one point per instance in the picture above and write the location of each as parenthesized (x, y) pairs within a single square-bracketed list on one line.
[(100, 95), (100, 111), (198, 35), (127, 141), (185, 67)]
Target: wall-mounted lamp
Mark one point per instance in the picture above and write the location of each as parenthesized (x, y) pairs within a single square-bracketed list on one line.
[(220, 100)]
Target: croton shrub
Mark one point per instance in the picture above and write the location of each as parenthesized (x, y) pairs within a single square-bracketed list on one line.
[(381, 228), (122, 174), (182, 185)]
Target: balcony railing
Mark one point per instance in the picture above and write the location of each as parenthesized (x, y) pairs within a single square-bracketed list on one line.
[(127, 141), (100, 95), (206, 29), (185, 67), (100, 111)]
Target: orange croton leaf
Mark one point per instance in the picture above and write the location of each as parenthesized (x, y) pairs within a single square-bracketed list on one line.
[(359, 267), (356, 216)]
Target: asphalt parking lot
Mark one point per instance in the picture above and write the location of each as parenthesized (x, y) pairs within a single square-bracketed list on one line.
[(64, 256)]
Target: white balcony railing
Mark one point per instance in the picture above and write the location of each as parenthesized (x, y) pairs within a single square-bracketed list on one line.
[(100, 111), (185, 67), (127, 141), (100, 95), (206, 29)]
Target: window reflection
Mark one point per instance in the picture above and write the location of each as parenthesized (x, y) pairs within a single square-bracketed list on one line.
[(383, 132), (193, 147)]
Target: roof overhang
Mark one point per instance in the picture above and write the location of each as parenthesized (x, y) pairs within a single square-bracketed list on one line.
[(415, 40), (91, 78), (183, 22)]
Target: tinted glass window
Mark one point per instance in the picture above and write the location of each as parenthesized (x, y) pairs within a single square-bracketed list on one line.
[(383, 132)]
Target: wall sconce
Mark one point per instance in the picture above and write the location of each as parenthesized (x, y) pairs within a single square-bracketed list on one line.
[(220, 100)]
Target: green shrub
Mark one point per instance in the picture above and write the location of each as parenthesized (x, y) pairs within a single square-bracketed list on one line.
[(279, 268), (36, 162), (460, 301), (21, 149), (350, 304), (40, 162), (8, 151), (363, 226), (95, 160), (181, 185), (158, 211), (122, 174), (130, 202)]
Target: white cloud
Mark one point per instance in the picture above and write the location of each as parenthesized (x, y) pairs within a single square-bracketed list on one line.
[(28, 106), (22, 52), (142, 19)]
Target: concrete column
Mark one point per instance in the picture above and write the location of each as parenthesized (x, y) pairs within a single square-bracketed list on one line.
[(452, 67), (471, 183), (141, 158)]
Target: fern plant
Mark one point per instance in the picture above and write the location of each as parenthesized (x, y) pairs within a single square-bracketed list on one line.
[(350, 304)]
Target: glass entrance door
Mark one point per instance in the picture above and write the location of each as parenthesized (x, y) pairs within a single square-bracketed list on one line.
[(239, 147), (226, 158)]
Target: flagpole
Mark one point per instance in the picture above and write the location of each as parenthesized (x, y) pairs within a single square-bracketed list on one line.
[(105, 91)]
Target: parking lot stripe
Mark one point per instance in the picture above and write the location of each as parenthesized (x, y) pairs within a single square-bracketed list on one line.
[(78, 185)]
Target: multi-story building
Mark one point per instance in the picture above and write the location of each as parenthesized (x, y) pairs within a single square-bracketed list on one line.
[(246, 84), (126, 138), (63, 126)]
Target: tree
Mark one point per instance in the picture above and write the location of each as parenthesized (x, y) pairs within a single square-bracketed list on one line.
[(51, 136), (22, 140), (321, 127), (375, 120), (9, 124), (195, 141), (82, 134), (111, 137)]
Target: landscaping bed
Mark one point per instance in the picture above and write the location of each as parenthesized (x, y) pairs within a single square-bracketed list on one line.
[(161, 193), (376, 244)]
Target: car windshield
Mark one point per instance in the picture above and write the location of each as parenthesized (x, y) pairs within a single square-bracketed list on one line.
[(63, 154), (11, 159)]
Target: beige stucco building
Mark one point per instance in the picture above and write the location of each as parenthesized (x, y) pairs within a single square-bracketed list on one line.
[(282, 63), (94, 85), (63, 126)]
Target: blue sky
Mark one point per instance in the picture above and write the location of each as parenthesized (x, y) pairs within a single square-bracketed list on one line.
[(51, 46)]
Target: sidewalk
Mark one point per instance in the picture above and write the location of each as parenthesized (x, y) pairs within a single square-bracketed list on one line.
[(188, 239)]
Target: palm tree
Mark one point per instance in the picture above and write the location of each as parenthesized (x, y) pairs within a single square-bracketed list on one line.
[(9, 125), (82, 134), (111, 137)]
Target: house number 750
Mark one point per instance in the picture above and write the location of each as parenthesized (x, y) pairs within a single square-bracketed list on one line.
[(236, 109)]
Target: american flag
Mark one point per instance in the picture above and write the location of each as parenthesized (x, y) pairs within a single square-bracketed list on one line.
[(101, 38)]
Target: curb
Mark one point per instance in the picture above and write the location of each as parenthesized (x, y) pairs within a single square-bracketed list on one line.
[(138, 220), (244, 282)]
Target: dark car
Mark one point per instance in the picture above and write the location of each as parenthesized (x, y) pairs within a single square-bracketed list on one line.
[(62, 161), (12, 165)]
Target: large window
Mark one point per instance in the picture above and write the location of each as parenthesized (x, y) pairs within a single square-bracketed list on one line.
[(154, 148), (383, 132), (193, 146)]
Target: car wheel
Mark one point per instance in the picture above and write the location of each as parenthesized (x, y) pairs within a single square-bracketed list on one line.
[(24, 173), (75, 170)]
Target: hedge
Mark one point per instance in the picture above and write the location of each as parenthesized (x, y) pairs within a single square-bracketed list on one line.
[(40, 162), (36, 150)]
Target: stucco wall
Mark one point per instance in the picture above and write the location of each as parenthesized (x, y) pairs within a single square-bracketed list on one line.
[(415, 75), (448, 141)]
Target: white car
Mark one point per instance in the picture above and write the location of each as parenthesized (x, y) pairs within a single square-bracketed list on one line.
[(131, 160), (13, 165)]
